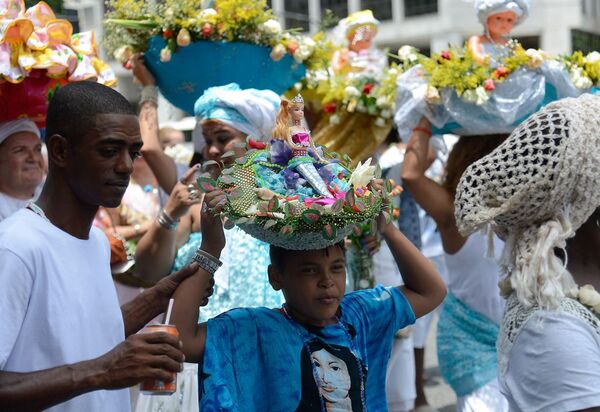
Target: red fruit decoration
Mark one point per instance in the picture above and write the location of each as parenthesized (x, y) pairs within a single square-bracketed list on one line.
[(167, 34), (500, 72), (253, 144), (445, 55), (367, 88), (330, 107), (489, 85)]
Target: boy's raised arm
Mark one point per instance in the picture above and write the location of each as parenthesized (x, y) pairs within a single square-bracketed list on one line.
[(423, 286), (192, 292)]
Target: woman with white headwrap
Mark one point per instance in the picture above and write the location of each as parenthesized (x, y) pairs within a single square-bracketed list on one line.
[(540, 192), (227, 115), (21, 165)]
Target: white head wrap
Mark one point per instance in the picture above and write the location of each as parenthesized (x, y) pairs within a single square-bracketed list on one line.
[(535, 190), (485, 8), (250, 111), (7, 129)]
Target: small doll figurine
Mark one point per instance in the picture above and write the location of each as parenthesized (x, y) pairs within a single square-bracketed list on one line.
[(498, 18), (359, 56), (290, 127)]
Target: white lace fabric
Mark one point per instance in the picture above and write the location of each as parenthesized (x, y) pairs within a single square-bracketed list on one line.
[(535, 190), (517, 315)]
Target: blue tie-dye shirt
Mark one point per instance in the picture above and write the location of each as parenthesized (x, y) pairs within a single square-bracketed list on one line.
[(258, 359)]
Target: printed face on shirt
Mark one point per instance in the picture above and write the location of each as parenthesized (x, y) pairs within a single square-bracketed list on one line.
[(101, 160), (313, 283), (334, 379), (21, 161), (221, 138), (501, 24)]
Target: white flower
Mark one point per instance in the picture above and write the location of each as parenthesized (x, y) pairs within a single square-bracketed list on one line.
[(335, 119), (407, 53), (382, 102), (165, 55), (536, 57), (479, 96), (298, 86), (393, 71), (179, 153), (589, 296), (302, 53), (380, 122), (308, 42), (207, 13), (386, 114), (351, 91), (432, 95), (579, 79), (271, 27), (593, 57), (363, 174), (169, 13), (278, 52), (573, 293), (123, 53)]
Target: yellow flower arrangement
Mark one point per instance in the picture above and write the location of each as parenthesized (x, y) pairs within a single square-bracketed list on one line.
[(584, 70)]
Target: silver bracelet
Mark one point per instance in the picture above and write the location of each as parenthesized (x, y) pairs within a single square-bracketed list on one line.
[(207, 261), (149, 94), (167, 221)]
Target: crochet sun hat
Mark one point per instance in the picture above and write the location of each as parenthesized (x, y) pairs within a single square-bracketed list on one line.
[(535, 190)]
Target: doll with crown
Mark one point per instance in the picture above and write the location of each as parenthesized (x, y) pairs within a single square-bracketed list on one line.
[(487, 87)]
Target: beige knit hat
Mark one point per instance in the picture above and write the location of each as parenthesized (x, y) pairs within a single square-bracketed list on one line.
[(535, 190)]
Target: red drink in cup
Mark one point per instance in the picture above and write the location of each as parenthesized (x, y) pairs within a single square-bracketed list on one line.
[(155, 386)]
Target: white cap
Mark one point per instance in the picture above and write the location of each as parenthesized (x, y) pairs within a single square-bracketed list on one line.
[(7, 129)]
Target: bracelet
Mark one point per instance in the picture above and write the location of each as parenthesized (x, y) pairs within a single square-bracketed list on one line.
[(207, 261), (136, 229), (167, 221), (423, 130), (149, 94)]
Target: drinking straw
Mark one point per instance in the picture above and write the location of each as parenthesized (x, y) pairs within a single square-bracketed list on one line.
[(169, 310)]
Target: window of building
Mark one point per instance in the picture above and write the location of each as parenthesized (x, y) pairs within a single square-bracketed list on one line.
[(382, 9), (420, 7), (339, 8), (585, 41), (296, 14)]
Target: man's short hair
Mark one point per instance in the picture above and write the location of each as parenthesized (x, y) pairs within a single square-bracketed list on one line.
[(73, 108), (278, 254)]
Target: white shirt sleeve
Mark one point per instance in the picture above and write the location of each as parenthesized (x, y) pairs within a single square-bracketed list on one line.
[(554, 365), (16, 283)]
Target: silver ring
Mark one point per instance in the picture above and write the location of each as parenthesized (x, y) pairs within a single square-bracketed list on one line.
[(193, 194), (204, 207), (191, 187)]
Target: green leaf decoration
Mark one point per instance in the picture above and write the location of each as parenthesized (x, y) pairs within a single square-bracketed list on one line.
[(318, 207), (372, 200), (240, 145), (311, 216), (387, 216), (290, 209), (210, 163), (329, 232), (346, 159), (360, 206), (373, 228), (228, 224), (287, 230), (206, 184), (350, 198), (241, 220), (228, 171), (270, 223), (226, 179), (241, 160), (378, 172), (228, 154), (273, 204), (388, 185), (337, 206), (235, 194), (263, 207)]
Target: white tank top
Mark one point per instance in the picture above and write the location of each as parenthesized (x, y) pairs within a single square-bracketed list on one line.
[(473, 277)]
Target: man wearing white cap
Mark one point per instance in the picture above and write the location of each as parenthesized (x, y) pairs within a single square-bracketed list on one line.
[(21, 164)]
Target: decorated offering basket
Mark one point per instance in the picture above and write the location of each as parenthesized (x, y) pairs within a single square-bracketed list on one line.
[(266, 200)]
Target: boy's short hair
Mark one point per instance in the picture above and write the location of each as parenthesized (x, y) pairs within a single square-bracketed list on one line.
[(278, 254)]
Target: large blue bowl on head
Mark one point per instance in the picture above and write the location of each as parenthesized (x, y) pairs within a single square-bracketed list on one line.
[(205, 64)]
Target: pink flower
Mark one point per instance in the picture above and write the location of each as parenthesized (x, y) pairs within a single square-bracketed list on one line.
[(489, 85), (445, 55)]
